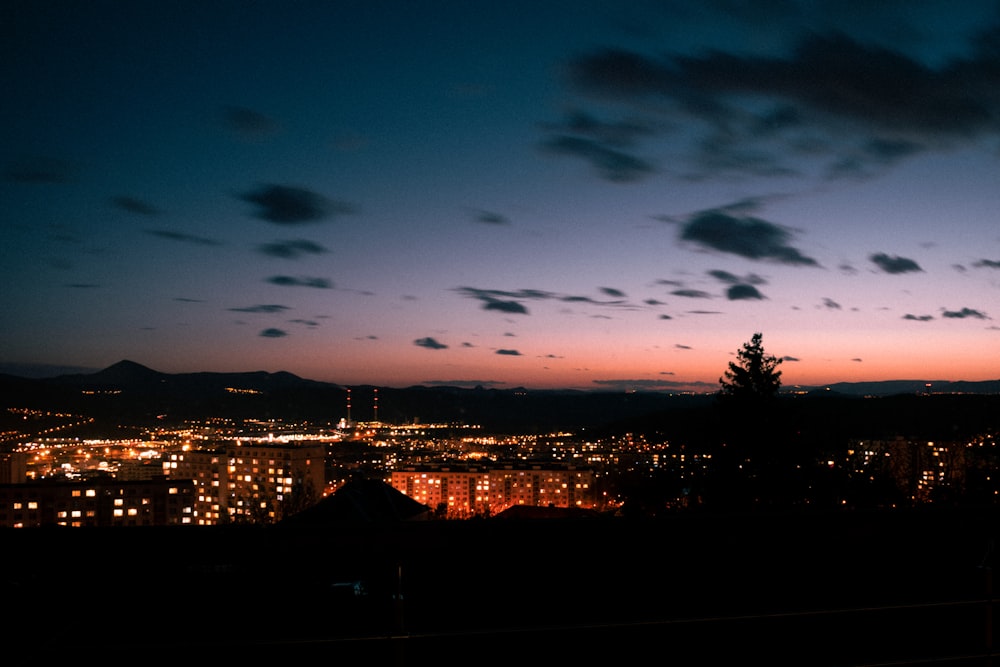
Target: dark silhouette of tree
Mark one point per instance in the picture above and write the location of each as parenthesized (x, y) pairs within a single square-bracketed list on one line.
[(754, 463), (754, 374)]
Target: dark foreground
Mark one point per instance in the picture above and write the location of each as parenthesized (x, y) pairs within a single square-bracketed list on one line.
[(846, 589)]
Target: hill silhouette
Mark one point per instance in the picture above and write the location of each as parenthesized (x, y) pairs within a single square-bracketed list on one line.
[(131, 391)]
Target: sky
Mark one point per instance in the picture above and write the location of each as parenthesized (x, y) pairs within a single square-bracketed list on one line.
[(586, 195)]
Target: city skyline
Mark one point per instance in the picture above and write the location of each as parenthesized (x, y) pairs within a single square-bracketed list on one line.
[(570, 195)]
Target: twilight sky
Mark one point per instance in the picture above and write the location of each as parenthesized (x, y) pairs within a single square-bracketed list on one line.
[(541, 194)]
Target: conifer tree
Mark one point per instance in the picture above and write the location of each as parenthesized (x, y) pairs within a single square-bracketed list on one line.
[(753, 375)]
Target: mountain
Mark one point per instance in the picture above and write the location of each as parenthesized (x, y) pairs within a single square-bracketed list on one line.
[(894, 387), (130, 392)]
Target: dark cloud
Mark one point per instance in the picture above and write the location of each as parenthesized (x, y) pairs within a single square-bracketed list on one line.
[(653, 302), (857, 360), (510, 353), (505, 306), (790, 359), (732, 278), (508, 301), (894, 264), (491, 218), (613, 165), (964, 313), (39, 170), (504, 301), (692, 294), (263, 308), (683, 347), (133, 205), (182, 237), (620, 133), (732, 230), (987, 263), (273, 333), (248, 123), (844, 102), (290, 281), (830, 303), (291, 249), (742, 292), (665, 317), (287, 205), (308, 323), (918, 318), (429, 343)]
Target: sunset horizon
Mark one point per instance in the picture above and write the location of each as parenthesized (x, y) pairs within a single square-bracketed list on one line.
[(555, 196)]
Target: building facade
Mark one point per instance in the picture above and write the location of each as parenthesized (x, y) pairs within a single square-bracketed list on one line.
[(461, 492), (257, 483), (97, 502)]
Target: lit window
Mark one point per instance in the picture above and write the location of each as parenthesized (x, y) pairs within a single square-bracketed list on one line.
[(32, 505), (119, 502), (91, 493), (119, 512)]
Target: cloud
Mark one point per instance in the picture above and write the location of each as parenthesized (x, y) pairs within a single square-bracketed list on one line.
[(510, 301), (987, 263), (273, 333), (894, 264), (248, 123), (613, 165), (665, 317), (133, 205), (683, 347), (503, 301), (964, 313), (740, 287), (743, 112), (308, 323), (918, 318), (732, 278), (429, 343), (183, 238), (743, 292), (290, 281), (264, 308), (510, 353), (692, 294), (291, 249), (830, 303), (491, 218), (287, 205), (732, 230), (39, 170)]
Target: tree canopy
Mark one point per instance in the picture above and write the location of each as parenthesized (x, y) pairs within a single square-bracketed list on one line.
[(754, 374)]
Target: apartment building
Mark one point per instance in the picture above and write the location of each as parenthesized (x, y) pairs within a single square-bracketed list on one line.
[(258, 482), (463, 491), (103, 502)]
